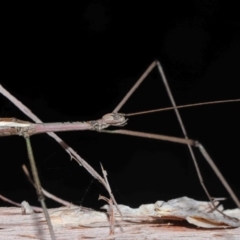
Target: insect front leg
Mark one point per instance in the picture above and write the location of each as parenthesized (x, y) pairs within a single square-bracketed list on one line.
[(170, 95)]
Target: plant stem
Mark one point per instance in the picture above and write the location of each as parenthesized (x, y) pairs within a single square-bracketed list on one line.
[(40, 194)]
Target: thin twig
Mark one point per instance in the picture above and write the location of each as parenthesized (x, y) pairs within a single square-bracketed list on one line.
[(36, 209), (110, 213), (38, 187), (108, 186), (46, 193)]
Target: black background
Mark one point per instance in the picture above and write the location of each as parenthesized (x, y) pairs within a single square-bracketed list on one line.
[(76, 62)]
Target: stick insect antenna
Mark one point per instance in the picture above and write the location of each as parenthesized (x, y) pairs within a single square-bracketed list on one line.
[(180, 106)]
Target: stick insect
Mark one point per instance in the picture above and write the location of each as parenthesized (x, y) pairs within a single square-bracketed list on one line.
[(26, 129)]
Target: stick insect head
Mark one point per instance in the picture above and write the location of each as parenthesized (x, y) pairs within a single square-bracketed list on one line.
[(115, 119)]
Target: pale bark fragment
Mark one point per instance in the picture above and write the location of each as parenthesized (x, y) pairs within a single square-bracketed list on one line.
[(14, 225), (144, 222)]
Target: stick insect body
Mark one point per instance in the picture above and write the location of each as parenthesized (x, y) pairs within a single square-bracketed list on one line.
[(13, 126)]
